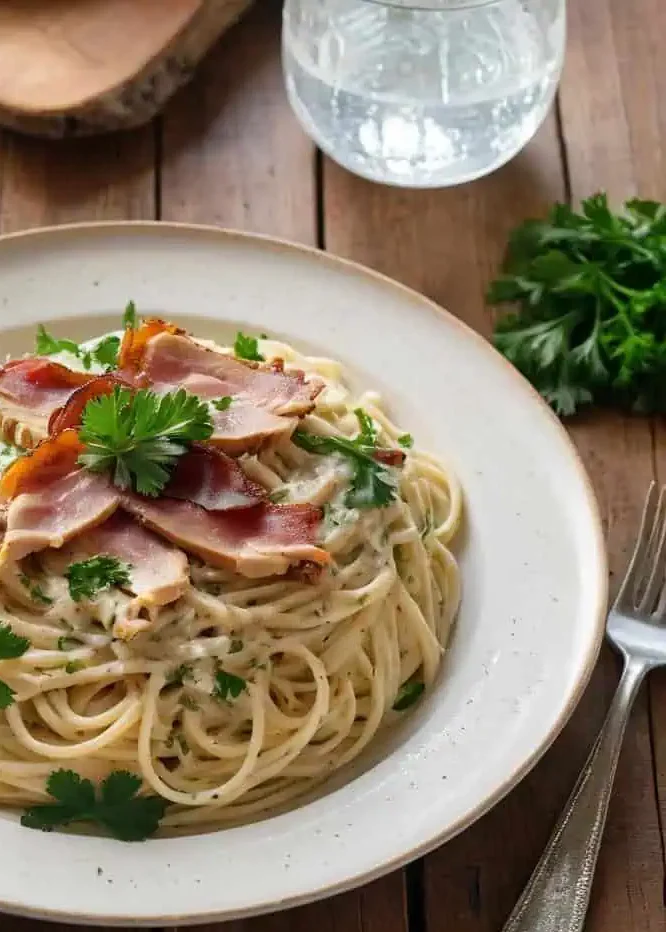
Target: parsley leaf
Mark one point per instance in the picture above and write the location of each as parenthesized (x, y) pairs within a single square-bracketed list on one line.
[(406, 441), (6, 695), (35, 590), (589, 290), (88, 577), (11, 645), (68, 643), (222, 403), (9, 453), (106, 352), (114, 805), (409, 692), (179, 674), (246, 347), (48, 345), (228, 686), (130, 317), (138, 437), (373, 484)]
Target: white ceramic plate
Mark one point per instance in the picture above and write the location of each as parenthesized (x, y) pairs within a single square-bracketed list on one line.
[(534, 572)]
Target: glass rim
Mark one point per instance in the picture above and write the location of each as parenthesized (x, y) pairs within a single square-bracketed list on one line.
[(432, 6)]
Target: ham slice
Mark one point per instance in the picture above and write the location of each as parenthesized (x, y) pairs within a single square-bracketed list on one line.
[(62, 509), (264, 540), (51, 499), (213, 480), (30, 391), (267, 401), (159, 573)]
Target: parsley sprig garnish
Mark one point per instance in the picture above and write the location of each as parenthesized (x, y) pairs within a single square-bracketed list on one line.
[(88, 577), (138, 437), (104, 353), (590, 293), (373, 484), (49, 346), (114, 805), (246, 347), (11, 646)]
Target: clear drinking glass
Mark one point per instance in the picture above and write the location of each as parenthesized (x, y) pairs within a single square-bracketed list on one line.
[(422, 93)]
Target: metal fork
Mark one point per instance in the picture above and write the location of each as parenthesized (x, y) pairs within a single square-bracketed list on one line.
[(557, 895)]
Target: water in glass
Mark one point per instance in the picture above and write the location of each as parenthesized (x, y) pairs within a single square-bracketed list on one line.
[(422, 93)]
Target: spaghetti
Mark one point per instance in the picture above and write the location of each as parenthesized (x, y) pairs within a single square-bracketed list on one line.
[(312, 670)]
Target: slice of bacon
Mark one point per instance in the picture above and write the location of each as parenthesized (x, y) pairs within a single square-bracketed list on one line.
[(59, 511), (267, 401), (159, 573), (265, 540), (209, 478), (52, 459), (70, 414), (30, 391)]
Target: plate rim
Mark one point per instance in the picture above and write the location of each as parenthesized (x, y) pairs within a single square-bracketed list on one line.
[(587, 663)]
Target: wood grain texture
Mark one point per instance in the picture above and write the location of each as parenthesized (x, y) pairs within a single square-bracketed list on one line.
[(73, 68), (233, 153)]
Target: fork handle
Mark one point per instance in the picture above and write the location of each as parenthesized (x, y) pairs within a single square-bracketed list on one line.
[(558, 893)]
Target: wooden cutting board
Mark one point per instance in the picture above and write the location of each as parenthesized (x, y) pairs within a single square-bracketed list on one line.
[(74, 67)]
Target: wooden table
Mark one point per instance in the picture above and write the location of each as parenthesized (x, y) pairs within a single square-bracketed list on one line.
[(229, 152)]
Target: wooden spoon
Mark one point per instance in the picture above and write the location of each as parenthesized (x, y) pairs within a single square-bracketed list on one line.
[(69, 67)]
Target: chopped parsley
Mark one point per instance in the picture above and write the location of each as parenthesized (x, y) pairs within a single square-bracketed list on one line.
[(228, 686), (373, 484), (408, 694), (279, 495), (176, 676), (73, 666), (6, 695), (87, 578), (221, 404), (37, 594), (246, 347), (8, 453), (114, 805), (406, 441), (11, 647), (68, 643), (236, 646), (139, 437)]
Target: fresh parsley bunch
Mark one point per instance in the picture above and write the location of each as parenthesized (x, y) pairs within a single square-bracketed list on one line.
[(139, 436), (590, 293)]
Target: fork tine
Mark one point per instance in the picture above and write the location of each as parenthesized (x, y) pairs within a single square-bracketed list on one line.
[(635, 564), (656, 556)]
